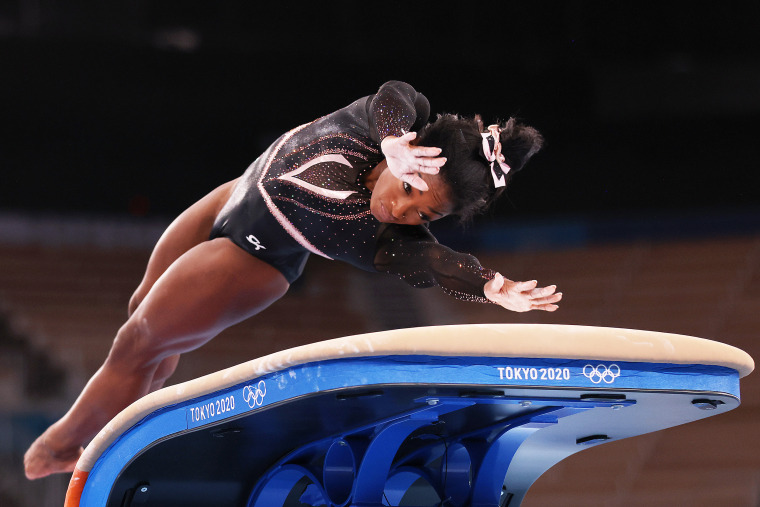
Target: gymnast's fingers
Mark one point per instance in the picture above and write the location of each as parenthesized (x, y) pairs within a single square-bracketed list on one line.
[(426, 151), (408, 136), (547, 304), (525, 286), (428, 169), (431, 165), (554, 298), (540, 292), (545, 307)]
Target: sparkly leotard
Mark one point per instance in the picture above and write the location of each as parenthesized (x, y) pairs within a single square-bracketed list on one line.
[(306, 194)]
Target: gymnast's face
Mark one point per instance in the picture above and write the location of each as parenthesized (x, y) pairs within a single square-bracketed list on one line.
[(396, 202)]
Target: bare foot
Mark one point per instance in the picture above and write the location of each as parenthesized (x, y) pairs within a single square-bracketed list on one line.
[(41, 460)]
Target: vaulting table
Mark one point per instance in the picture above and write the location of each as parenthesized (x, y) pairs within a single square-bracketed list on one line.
[(466, 415)]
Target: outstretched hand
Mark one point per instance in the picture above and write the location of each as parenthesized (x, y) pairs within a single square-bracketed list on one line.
[(406, 161), (521, 296)]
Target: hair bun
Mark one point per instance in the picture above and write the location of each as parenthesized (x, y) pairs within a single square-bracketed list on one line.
[(519, 143)]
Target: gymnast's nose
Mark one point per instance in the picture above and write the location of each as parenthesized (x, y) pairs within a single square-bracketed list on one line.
[(399, 210)]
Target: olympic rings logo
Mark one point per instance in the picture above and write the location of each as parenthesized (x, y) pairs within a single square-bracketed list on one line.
[(599, 373), (254, 396)]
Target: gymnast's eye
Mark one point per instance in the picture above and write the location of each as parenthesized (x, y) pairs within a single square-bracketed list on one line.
[(424, 217), (407, 188)]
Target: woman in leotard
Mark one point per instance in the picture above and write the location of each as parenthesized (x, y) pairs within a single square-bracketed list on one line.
[(357, 185)]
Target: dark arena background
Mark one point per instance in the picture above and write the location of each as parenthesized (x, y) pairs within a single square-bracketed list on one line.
[(644, 206)]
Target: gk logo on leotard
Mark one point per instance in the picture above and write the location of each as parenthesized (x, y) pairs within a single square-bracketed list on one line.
[(599, 373), (255, 242), (254, 396)]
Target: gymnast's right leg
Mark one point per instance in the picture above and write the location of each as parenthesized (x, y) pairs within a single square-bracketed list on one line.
[(210, 287), (189, 229), (192, 290)]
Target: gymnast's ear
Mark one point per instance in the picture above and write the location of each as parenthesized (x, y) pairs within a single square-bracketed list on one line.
[(519, 143)]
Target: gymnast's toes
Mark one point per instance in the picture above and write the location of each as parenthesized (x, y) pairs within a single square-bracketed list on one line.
[(40, 460)]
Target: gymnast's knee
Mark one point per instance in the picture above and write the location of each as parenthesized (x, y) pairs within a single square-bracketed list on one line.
[(135, 300), (135, 349)]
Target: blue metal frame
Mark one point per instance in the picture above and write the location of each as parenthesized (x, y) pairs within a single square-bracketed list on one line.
[(368, 470), (379, 476)]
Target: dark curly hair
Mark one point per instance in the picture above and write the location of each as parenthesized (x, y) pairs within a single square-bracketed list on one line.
[(467, 172)]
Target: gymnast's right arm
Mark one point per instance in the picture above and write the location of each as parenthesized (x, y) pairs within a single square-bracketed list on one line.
[(412, 253)]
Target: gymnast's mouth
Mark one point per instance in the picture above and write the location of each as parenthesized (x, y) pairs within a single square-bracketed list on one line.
[(382, 214)]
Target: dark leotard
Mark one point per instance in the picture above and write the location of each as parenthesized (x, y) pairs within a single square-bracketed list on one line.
[(306, 194)]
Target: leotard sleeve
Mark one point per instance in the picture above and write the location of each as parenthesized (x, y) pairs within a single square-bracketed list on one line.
[(413, 253), (395, 109)]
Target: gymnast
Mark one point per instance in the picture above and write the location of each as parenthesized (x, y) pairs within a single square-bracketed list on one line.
[(358, 185)]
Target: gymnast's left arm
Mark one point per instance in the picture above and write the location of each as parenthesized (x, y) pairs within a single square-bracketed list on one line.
[(413, 254), (395, 109)]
